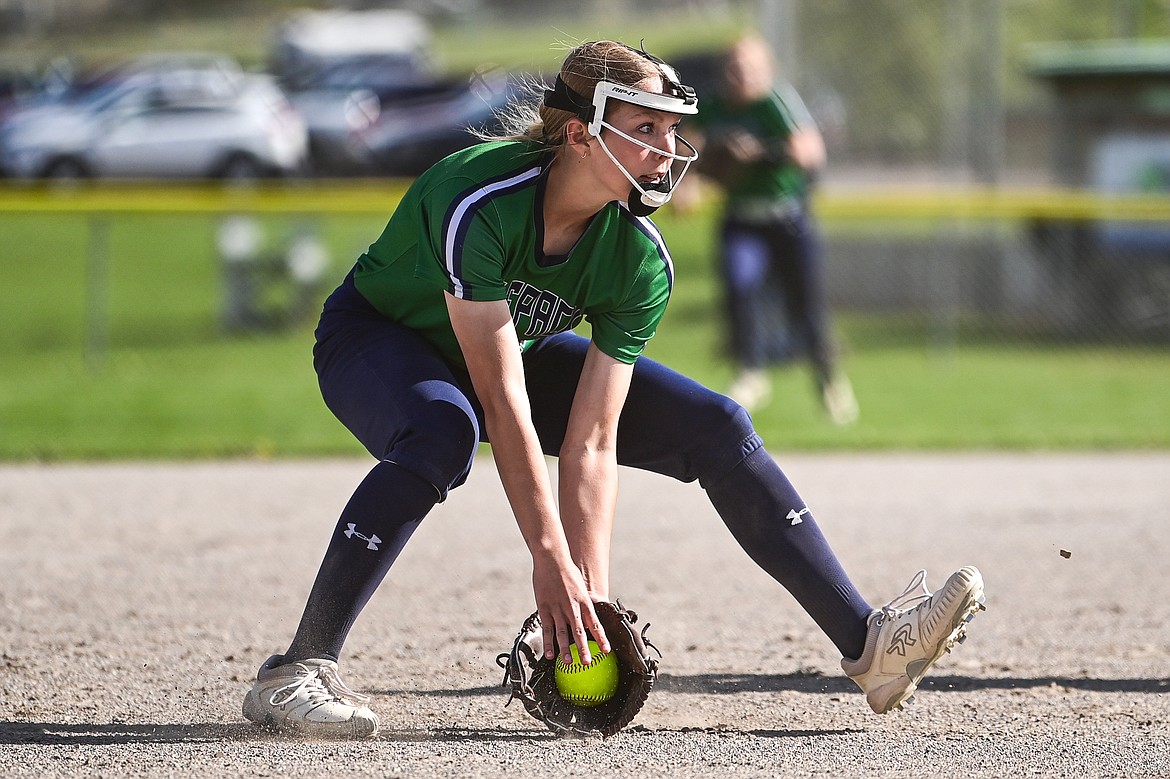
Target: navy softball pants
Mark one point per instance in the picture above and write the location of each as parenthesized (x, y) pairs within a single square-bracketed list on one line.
[(420, 418), (769, 267)]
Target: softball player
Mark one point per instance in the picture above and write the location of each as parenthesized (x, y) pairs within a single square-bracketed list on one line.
[(455, 328), (767, 149)]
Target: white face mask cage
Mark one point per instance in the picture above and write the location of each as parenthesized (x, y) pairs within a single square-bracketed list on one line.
[(676, 98), (657, 195)]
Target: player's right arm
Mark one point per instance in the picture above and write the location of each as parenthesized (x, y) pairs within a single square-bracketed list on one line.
[(807, 148), (804, 145), (487, 338)]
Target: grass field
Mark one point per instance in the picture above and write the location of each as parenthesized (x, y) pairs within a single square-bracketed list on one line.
[(139, 366)]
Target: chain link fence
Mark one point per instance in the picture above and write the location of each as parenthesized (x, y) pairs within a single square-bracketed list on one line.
[(963, 96)]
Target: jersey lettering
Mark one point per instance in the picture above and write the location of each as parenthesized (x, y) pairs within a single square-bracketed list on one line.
[(538, 312)]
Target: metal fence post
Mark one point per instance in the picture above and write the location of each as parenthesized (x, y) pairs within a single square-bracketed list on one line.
[(97, 291)]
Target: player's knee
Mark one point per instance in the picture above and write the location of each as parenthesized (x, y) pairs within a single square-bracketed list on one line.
[(730, 439), (439, 444)]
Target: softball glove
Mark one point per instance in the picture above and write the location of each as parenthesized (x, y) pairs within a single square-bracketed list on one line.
[(532, 677)]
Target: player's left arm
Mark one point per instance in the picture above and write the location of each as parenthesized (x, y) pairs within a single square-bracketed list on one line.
[(588, 466)]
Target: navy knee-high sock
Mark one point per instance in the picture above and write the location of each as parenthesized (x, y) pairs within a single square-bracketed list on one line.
[(374, 527), (772, 524)]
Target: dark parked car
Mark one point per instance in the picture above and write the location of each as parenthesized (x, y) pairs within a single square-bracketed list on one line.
[(412, 134), (341, 98), (341, 69), (14, 87)]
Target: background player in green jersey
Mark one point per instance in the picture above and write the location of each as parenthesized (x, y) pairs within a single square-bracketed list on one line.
[(763, 147), (455, 327)]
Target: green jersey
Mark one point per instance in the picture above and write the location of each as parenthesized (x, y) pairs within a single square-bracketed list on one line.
[(772, 120), (472, 225)]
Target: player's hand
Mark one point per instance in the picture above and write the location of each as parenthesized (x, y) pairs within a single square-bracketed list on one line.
[(744, 147), (566, 610)]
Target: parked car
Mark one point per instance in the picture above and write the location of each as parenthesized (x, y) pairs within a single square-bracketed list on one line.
[(340, 98), (15, 86), (309, 40), (159, 117), (412, 134), (340, 68)]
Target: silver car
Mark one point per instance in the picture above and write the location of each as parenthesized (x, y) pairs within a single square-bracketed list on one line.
[(165, 117)]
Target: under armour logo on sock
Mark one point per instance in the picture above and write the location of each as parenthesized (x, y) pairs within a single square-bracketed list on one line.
[(794, 516), (903, 637), (371, 541)]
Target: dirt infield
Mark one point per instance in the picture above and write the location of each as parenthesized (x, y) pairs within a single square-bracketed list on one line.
[(136, 601)]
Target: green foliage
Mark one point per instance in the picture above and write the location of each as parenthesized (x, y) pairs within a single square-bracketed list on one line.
[(540, 46), (247, 31), (892, 91), (901, 69)]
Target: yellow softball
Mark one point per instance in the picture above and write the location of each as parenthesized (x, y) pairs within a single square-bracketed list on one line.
[(587, 685)]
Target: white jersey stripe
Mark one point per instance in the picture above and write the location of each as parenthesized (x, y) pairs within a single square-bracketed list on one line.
[(651, 230), (460, 213)]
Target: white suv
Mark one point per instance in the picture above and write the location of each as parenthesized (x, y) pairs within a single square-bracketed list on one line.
[(162, 117)]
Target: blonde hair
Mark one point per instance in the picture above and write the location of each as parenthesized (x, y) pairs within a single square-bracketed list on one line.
[(584, 66)]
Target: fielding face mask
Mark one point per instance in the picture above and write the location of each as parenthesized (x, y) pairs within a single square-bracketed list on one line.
[(676, 98)]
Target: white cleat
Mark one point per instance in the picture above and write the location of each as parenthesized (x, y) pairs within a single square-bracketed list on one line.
[(751, 389), (308, 698), (903, 643), (839, 401)]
